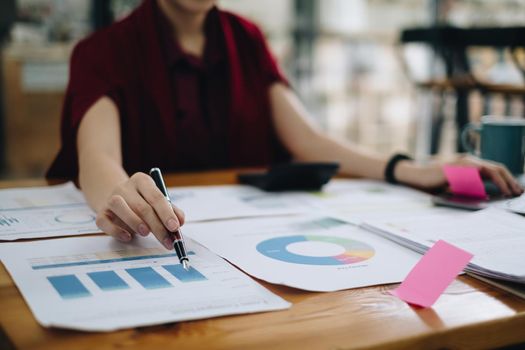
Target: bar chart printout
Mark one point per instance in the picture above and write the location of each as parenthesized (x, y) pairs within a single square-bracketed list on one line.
[(104, 285)]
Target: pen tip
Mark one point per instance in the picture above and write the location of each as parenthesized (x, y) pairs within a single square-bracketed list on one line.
[(186, 265)]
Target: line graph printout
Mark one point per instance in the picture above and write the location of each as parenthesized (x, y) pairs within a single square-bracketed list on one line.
[(99, 284), (44, 212), (309, 252)]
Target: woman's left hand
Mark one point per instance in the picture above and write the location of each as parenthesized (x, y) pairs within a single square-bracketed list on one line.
[(431, 175)]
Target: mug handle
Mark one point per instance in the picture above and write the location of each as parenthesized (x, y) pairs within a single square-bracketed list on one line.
[(470, 127)]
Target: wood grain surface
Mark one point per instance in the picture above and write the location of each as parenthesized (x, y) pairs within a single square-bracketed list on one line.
[(470, 315)]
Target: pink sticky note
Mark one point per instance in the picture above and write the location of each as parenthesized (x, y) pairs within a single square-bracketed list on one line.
[(465, 181), (432, 274)]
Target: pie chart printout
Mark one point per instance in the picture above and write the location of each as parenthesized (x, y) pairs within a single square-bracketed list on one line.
[(316, 250)]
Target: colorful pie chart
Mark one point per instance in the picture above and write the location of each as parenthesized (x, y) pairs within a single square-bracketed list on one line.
[(315, 250)]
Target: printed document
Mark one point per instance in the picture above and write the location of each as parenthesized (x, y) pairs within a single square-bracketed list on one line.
[(309, 252), (356, 200), (203, 203), (99, 284), (49, 211)]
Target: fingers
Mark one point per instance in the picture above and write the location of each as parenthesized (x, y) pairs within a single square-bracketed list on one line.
[(496, 172), (495, 175), (138, 207), (514, 185), (180, 214), (502, 178), (154, 197), (146, 212), (105, 222), (117, 204)]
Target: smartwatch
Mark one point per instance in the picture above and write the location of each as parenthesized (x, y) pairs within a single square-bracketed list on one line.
[(391, 167)]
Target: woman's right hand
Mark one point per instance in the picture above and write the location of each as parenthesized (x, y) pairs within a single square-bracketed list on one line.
[(137, 206)]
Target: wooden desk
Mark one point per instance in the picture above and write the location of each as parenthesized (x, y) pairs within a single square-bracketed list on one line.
[(470, 315)]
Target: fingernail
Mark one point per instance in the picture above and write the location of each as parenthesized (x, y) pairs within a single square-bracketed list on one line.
[(124, 236), (173, 225), (168, 243), (143, 230)]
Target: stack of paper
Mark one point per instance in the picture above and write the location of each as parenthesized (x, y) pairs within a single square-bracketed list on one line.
[(495, 237)]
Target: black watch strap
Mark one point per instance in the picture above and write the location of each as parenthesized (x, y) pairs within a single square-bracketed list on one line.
[(391, 167)]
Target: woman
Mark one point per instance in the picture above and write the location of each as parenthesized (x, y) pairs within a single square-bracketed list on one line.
[(182, 85)]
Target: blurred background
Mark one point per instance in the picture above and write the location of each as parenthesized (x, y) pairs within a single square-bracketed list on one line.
[(391, 75)]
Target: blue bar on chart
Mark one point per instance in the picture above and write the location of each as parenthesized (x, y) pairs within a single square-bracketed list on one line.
[(148, 278), (69, 286), (184, 276), (108, 280)]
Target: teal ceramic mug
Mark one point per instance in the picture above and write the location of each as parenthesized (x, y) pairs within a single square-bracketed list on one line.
[(500, 139)]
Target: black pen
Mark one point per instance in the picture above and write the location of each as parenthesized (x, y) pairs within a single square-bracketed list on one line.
[(178, 243)]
